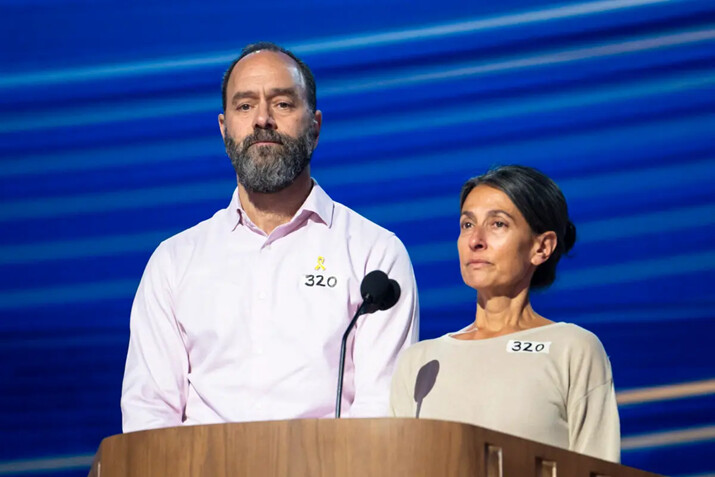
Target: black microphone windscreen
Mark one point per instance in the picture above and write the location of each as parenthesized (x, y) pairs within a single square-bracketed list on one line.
[(392, 297), (378, 291), (374, 286)]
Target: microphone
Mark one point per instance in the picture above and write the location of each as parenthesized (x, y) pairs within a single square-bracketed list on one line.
[(426, 377), (378, 293)]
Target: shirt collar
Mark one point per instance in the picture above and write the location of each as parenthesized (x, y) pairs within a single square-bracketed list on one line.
[(317, 204)]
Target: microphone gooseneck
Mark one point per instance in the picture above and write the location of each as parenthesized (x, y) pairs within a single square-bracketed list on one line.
[(378, 293)]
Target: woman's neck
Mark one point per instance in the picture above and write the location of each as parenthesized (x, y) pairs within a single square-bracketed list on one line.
[(496, 314), (499, 315)]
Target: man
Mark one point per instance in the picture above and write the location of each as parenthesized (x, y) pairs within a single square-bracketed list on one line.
[(240, 318)]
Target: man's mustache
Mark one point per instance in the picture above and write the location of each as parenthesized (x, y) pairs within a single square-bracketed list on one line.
[(263, 135)]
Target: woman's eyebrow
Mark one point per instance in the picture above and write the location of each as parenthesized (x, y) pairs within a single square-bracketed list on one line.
[(490, 213), (500, 212)]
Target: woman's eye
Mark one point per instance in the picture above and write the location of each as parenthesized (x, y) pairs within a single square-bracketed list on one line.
[(499, 224)]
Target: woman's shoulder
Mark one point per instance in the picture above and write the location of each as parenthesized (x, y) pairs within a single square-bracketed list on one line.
[(569, 338), (580, 335), (423, 347)]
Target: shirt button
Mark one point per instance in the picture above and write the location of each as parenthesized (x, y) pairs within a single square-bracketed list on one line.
[(259, 350), (261, 295)]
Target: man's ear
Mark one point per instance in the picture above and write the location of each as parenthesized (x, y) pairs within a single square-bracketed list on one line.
[(317, 123), (221, 125), (544, 246)]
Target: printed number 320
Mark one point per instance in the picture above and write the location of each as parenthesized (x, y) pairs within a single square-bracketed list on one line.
[(320, 281), (518, 346)]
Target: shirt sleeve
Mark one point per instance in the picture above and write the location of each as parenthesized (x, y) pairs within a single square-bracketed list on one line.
[(155, 378), (381, 336), (594, 425)]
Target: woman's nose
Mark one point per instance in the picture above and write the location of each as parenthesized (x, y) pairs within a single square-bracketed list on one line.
[(477, 240)]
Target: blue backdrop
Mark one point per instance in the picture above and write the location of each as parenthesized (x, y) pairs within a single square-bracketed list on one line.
[(109, 144)]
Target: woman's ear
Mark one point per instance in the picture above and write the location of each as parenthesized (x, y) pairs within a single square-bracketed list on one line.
[(544, 246)]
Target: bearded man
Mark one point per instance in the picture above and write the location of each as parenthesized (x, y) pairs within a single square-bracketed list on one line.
[(240, 317)]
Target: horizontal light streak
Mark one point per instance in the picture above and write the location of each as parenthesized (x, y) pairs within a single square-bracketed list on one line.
[(473, 26), (542, 105), (668, 438), (694, 174), (65, 294), (701, 311), (118, 200), (46, 464), (667, 392), (211, 104), (540, 60), (82, 247), (174, 150), (172, 65)]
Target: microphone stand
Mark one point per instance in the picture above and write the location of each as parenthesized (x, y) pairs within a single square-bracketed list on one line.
[(341, 369)]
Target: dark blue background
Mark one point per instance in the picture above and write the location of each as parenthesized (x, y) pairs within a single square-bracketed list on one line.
[(109, 144)]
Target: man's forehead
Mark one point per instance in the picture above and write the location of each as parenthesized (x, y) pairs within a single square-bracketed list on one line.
[(262, 62)]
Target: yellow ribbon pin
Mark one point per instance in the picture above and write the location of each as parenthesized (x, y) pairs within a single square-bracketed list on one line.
[(320, 266)]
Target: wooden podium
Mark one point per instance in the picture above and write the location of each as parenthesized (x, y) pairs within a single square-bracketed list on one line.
[(340, 448)]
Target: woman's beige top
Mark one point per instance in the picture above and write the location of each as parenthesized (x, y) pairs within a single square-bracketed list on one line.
[(551, 384)]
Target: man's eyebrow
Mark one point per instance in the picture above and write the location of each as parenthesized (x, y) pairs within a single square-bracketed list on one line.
[(291, 92), (242, 95), (283, 92)]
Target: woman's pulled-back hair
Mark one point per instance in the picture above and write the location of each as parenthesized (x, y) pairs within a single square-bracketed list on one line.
[(542, 204)]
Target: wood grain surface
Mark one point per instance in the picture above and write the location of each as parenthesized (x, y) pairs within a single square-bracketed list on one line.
[(335, 448)]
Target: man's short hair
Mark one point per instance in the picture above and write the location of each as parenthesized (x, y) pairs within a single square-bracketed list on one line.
[(308, 77)]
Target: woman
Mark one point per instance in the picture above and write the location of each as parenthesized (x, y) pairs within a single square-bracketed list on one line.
[(513, 370)]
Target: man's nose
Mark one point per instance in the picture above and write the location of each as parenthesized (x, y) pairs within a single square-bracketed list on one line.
[(264, 117)]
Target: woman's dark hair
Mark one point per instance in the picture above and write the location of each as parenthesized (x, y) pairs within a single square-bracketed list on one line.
[(542, 204)]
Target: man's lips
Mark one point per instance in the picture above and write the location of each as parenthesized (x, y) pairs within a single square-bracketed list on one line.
[(265, 143)]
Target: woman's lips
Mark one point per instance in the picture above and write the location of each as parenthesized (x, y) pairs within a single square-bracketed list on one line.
[(478, 263)]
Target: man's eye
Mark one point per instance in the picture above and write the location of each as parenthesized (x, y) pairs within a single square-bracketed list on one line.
[(466, 225), (244, 107), (284, 105)]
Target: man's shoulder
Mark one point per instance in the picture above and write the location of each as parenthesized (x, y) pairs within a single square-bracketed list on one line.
[(354, 221), (196, 234)]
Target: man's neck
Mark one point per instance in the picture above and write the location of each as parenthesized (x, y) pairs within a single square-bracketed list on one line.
[(268, 211)]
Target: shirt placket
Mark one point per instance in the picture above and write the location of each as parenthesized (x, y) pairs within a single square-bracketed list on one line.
[(262, 310)]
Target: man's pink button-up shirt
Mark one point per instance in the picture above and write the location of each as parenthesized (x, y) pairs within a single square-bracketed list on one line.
[(230, 324)]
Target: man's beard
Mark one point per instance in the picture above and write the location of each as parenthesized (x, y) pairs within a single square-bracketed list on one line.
[(269, 169)]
